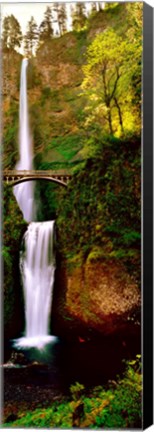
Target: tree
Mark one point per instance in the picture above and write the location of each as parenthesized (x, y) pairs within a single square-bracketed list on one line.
[(93, 7), (55, 16), (12, 34), (79, 16), (134, 34), (103, 71), (62, 17), (30, 37), (46, 29), (107, 78)]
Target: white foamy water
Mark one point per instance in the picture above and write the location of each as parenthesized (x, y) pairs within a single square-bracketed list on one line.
[(35, 342), (24, 192), (37, 264), (37, 261)]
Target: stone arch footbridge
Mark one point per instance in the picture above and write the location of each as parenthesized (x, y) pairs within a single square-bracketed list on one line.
[(15, 177)]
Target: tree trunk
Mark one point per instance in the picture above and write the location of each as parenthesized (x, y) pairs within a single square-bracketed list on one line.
[(110, 120), (119, 113)]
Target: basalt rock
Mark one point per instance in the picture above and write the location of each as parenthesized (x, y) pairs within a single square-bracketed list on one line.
[(98, 297)]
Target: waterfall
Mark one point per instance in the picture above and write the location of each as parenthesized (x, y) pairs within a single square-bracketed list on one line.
[(24, 193), (37, 261), (37, 265)]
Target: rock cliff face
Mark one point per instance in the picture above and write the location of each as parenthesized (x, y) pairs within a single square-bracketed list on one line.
[(10, 75), (100, 296)]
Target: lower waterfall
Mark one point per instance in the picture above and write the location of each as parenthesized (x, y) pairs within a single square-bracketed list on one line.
[(37, 266)]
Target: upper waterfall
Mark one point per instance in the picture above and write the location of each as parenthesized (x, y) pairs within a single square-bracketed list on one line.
[(24, 193)]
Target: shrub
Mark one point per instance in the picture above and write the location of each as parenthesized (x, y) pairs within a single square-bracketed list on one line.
[(115, 407)]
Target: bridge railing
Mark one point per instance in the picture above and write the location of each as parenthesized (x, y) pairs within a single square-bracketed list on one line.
[(40, 173)]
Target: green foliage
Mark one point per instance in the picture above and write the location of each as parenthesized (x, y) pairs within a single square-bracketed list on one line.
[(46, 93), (103, 73), (97, 252), (46, 197), (10, 136), (47, 194), (110, 75), (115, 407), (135, 17), (111, 6), (13, 229), (99, 213), (76, 390), (67, 146)]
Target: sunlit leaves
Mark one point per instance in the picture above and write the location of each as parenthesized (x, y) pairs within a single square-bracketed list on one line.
[(113, 64)]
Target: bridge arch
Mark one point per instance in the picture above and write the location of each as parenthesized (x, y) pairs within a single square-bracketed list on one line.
[(25, 179), (15, 177)]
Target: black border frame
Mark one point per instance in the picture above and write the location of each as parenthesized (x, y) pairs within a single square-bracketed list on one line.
[(147, 234)]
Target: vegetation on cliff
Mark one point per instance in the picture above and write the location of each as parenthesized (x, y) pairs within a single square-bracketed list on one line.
[(99, 235), (100, 209), (13, 229)]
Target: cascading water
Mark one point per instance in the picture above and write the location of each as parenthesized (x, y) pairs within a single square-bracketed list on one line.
[(37, 261), (37, 264), (24, 193)]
